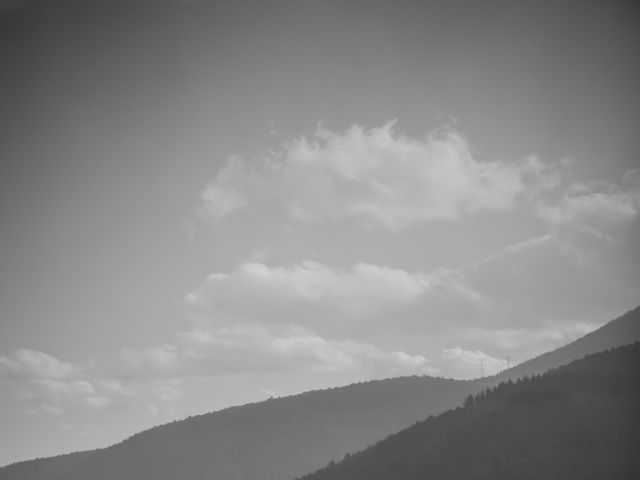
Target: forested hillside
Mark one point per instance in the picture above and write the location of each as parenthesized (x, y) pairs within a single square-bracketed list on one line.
[(580, 421)]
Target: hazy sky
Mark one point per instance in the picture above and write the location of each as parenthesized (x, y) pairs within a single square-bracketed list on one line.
[(210, 203)]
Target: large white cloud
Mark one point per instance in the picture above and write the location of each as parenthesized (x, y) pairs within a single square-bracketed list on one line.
[(377, 176), (326, 299)]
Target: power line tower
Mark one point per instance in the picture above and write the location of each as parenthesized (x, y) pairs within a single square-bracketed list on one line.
[(481, 368), (507, 362)]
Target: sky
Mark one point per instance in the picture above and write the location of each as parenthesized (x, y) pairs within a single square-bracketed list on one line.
[(205, 204)]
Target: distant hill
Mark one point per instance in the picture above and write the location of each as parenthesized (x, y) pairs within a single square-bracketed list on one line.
[(275, 439), (41, 468), (287, 437), (579, 421)]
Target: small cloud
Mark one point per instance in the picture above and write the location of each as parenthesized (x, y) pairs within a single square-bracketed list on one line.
[(228, 193), (529, 243), (221, 201), (153, 409), (32, 364), (511, 250), (67, 426), (51, 409), (49, 385), (260, 255), (82, 430), (165, 357), (97, 402), (163, 411), (167, 390), (190, 230), (114, 387)]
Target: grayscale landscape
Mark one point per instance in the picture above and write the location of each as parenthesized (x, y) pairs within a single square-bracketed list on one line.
[(337, 240)]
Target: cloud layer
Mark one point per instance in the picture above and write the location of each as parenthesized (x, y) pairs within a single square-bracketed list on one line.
[(361, 319), (382, 179)]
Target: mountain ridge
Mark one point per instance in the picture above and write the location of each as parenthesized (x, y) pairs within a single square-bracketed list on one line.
[(291, 436)]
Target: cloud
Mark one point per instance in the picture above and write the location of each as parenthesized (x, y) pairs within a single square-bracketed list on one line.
[(32, 364), (516, 287), (510, 251), (165, 358), (529, 243), (79, 429), (320, 297), (207, 352), (304, 317), (593, 209), (537, 282), (377, 176), (230, 191), (54, 396), (49, 385), (167, 390), (590, 219)]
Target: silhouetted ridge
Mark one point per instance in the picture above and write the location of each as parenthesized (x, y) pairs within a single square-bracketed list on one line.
[(579, 421)]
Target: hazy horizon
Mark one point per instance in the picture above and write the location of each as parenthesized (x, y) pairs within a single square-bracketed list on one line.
[(207, 204)]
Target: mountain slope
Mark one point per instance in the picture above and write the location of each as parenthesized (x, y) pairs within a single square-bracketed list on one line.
[(577, 422), (287, 437), (621, 331)]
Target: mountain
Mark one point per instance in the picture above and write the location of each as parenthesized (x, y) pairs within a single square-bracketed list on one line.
[(580, 421), (287, 437), (275, 439)]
